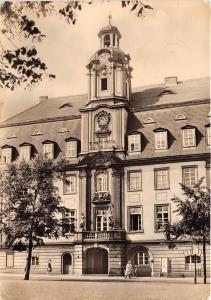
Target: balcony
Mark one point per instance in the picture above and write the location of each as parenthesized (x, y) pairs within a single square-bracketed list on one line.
[(101, 198), (101, 236)]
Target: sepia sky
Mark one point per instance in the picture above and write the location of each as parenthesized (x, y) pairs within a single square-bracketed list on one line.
[(171, 40)]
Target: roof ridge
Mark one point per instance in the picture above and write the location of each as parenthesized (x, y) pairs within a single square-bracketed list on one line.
[(137, 88)]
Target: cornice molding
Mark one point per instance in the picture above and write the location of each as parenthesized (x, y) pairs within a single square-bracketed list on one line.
[(40, 121), (172, 105), (167, 159)]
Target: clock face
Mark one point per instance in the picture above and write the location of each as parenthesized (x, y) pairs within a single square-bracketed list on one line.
[(103, 119)]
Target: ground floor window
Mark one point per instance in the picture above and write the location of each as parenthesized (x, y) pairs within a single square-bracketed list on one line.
[(35, 260), (141, 258), (10, 260), (190, 262)]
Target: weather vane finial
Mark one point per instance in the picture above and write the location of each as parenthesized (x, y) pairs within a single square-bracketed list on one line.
[(109, 18)]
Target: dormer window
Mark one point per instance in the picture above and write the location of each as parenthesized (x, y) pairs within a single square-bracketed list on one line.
[(104, 84), (134, 142), (188, 137), (71, 148), (48, 150), (6, 156), (161, 139), (25, 152)]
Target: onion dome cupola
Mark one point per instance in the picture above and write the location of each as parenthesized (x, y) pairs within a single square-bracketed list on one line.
[(109, 71)]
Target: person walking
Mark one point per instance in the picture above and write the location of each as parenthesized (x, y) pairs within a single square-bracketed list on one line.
[(49, 269), (128, 270)]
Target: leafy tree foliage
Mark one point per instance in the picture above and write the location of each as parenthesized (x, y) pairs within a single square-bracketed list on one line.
[(32, 208), (21, 65), (194, 218)]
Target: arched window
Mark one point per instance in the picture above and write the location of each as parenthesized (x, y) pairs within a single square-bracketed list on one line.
[(141, 258), (102, 182), (107, 41)]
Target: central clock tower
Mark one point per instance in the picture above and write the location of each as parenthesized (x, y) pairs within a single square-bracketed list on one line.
[(104, 118)]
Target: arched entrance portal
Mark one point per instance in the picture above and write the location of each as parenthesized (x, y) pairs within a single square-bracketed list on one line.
[(96, 261), (66, 263), (142, 262)]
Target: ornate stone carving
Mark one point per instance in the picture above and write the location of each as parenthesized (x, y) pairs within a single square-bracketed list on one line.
[(101, 197)]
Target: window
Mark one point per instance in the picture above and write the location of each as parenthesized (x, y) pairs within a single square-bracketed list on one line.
[(6, 155), (141, 258), (10, 260), (107, 41), (189, 175), (161, 216), (35, 260), (190, 262), (102, 220), (69, 222), (161, 140), (161, 179), (104, 84), (189, 137), (71, 149), (134, 180), (48, 150), (69, 184), (103, 143), (134, 142), (102, 182), (25, 152), (208, 134), (135, 218)]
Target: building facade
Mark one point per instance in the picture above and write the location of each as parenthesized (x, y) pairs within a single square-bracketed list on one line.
[(127, 152)]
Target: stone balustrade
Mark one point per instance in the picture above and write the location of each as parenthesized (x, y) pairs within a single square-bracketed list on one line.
[(96, 236)]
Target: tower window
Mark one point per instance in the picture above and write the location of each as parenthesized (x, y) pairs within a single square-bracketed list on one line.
[(114, 37), (104, 84), (107, 41)]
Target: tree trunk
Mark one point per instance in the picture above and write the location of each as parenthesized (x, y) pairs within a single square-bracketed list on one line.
[(204, 260), (28, 264)]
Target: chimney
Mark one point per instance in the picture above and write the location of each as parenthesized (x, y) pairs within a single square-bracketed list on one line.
[(43, 98), (170, 81)]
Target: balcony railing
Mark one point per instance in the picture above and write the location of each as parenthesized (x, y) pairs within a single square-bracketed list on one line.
[(96, 236)]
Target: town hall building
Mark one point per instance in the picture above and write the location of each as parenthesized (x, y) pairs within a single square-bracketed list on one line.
[(127, 151)]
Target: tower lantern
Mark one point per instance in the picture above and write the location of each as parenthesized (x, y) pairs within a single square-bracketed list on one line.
[(109, 71)]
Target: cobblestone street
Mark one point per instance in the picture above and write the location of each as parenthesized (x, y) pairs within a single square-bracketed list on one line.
[(55, 288)]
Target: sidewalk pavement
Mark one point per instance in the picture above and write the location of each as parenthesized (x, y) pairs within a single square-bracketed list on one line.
[(100, 278)]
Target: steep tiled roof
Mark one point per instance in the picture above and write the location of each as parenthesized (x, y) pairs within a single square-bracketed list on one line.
[(142, 98), (51, 108), (190, 90)]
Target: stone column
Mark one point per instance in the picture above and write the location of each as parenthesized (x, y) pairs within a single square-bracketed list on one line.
[(85, 197), (117, 197), (82, 203), (88, 200), (208, 166)]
